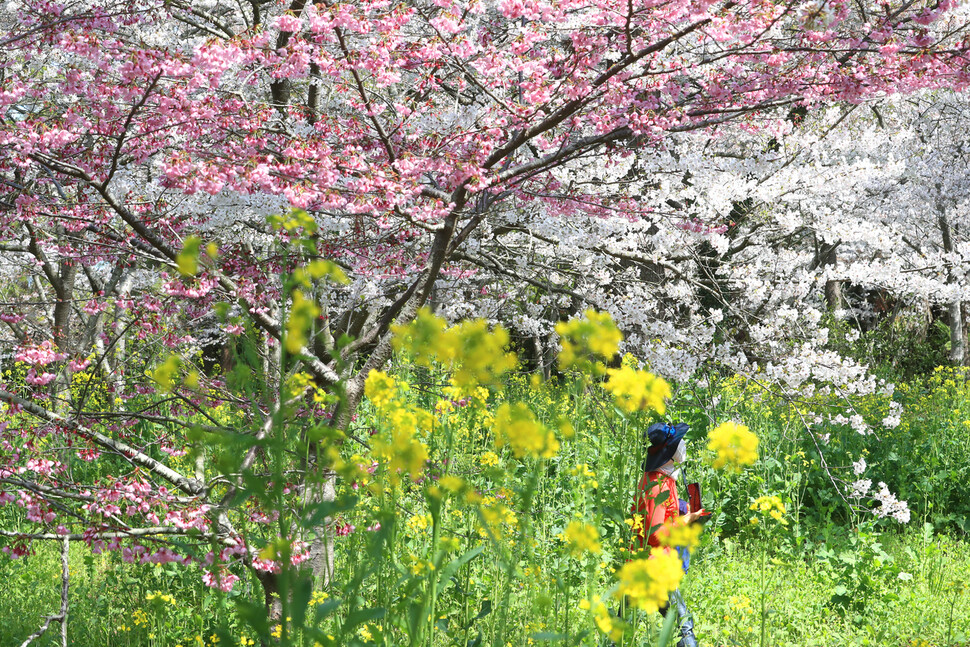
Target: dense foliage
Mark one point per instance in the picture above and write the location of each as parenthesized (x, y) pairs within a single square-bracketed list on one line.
[(835, 571)]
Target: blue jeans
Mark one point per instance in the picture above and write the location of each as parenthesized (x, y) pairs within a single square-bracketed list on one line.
[(687, 638)]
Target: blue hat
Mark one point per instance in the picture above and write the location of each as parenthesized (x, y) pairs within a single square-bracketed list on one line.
[(664, 438)]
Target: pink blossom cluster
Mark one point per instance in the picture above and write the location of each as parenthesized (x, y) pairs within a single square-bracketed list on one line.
[(39, 354)]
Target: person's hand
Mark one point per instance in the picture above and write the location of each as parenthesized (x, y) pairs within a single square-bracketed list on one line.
[(691, 517)]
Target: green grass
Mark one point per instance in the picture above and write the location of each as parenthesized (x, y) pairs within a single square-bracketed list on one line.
[(914, 610), (723, 591)]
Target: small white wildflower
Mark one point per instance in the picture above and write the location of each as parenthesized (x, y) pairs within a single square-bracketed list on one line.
[(860, 488)]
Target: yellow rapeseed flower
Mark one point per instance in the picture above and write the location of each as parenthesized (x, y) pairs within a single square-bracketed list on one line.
[(680, 534), (636, 390), (515, 425), (403, 455), (418, 523), (476, 353), (420, 338), (452, 483), (302, 313), (165, 373), (380, 388), (479, 355), (163, 597), (647, 583), (735, 445), (496, 517), (769, 507), (606, 622), (450, 544), (582, 538), (588, 342)]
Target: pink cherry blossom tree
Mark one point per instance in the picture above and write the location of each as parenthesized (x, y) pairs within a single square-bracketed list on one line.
[(144, 145)]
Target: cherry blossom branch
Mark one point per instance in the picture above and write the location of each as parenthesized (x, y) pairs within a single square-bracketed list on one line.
[(112, 534), (45, 489), (496, 266), (571, 107), (205, 15), (187, 485), (320, 370)]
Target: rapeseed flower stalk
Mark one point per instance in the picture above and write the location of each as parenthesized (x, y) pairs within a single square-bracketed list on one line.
[(635, 523), (451, 483), (478, 356), (647, 583), (605, 621), (402, 452), (161, 597), (734, 444), (636, 390), (768, 507), (450, 544), (589, 475), (187, 260), (495, 517), (166, 372), (588, 342), (301, 382), (515, 425), (402, 455), (294, 220), (302, 313), (381, 389), (421, 337), (581, 538), (418, 523), (318, 269)]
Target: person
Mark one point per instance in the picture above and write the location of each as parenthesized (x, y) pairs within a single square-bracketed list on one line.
[(666, 452)]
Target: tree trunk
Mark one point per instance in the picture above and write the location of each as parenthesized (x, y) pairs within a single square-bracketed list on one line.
[(827, 255), (320, 538), (958, 354), (271, 595)]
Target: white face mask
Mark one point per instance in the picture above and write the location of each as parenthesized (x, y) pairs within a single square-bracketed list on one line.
[(680, 454)]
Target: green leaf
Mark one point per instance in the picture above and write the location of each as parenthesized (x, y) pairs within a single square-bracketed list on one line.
[(302, 591), (670, 621), (325, 609), (362, 616), (187, 260), (449, 571)]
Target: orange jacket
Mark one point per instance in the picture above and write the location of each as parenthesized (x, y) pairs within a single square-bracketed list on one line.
[(646, 508)]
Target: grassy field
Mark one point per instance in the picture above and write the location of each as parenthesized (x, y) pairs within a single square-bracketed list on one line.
[(917, 602), (478, 543)]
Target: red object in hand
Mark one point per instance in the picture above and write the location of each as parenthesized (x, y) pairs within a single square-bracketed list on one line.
[(694, 497), (694, 501)]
